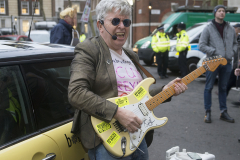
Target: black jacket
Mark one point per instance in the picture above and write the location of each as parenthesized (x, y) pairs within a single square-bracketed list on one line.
[(61, 33)]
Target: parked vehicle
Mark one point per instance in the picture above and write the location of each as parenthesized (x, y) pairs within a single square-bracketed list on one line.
[(15, 38), (170, 27), (35, 116), (8, 31), (41, 36), (45, 25)]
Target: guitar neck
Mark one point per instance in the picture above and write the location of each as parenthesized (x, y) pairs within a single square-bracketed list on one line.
[(167, 93)]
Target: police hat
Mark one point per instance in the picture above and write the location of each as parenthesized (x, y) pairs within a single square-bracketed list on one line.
[(181, 26), (237, 25), (160, 28)]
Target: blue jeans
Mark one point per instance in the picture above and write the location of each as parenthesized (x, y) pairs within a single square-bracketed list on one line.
[(223, 73), (102, 154)]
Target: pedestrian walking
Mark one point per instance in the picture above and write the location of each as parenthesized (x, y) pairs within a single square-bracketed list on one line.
[(161, 46), (218, 38), (182, 48), (63, 31)]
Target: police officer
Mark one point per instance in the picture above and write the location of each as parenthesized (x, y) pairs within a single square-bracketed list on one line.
[(161, 46), (182, 48), (82, 37)]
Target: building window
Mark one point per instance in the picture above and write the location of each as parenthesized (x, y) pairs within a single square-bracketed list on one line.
[(2, 23), (25, 8), (25, 25), (78, 6), (37, 8), (2, 7)]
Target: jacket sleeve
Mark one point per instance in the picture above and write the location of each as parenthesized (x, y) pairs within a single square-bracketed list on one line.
[(80, 93), (57, 35), (154, 43), (235, 45), (204, 45)]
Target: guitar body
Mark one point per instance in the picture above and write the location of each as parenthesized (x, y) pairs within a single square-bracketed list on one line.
[(113, 132)]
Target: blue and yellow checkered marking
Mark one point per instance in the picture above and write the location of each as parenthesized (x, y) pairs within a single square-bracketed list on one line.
[(191, 47)]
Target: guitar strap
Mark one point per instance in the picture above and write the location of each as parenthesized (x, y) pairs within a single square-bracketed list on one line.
[(141, 67)]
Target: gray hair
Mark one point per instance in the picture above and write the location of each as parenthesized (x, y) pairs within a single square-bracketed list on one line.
[(106, 6)]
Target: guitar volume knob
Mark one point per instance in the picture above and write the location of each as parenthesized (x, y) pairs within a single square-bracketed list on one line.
[(134, 137)]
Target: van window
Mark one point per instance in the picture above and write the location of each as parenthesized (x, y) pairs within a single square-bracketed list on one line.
[(172, 31), (48, 83), (165, 28), (16, 118)]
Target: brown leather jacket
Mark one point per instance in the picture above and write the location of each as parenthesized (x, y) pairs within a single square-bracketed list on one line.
[(92, 81)]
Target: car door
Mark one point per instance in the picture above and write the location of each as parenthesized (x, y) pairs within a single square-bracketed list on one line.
[(48, 83), (19, 137)]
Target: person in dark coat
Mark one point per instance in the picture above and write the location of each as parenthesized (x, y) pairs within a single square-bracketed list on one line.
[(62, 32)]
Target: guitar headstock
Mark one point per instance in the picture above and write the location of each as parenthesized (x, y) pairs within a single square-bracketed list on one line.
[(212, 63)]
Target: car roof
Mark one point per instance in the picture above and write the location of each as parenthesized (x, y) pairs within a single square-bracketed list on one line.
[(14, 52)]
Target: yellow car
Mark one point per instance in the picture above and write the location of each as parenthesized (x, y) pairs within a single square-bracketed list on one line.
[(35, 116)]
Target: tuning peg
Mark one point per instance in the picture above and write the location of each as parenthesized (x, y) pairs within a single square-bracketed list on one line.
[(210, 58), (206, 59)]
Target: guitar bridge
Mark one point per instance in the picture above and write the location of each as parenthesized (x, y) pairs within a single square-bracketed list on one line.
[(143, 109), (119, 127)]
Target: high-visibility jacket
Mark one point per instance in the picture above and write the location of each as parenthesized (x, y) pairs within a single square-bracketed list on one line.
[(14, 108), (182, 41), (160, 42), (82, 37)]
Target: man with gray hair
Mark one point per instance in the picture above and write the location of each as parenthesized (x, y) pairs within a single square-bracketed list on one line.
[(218, 38), (102, 69)]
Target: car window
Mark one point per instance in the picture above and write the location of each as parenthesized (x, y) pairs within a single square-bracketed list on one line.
[(192, 31), (15, 113), (48, 83)]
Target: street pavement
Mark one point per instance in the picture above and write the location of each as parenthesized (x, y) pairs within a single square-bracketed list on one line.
[(186, 128)]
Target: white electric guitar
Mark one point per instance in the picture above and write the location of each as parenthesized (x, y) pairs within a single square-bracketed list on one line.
[(115, 137)]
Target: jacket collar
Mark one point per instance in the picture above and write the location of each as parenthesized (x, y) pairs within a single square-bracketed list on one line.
[(107, 59), (212, 22), (68, 26)]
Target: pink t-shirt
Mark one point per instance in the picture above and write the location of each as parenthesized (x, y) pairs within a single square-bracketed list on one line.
[(127, 74)]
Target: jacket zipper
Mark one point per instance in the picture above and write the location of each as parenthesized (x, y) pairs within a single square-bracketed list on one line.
[(221, 36)]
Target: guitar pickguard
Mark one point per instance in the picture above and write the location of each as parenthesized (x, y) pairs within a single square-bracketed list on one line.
[(149, 121)]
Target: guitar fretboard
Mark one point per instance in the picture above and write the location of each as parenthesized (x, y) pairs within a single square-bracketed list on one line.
[(164, 95)]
